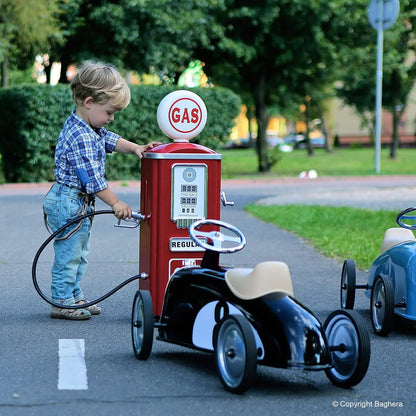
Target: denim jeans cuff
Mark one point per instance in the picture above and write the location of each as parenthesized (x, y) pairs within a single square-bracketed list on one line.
[(79, 297), (66, 302)]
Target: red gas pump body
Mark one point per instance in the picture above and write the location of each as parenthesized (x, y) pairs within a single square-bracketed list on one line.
[(180, 183)]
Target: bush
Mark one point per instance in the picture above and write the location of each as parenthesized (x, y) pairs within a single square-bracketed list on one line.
[(34, 115), (32, 119)]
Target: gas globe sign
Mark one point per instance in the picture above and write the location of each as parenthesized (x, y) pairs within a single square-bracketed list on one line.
[(182, 115)]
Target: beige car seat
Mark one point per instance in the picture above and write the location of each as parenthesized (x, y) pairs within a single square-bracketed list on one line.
[(394, 236), (266, 277)]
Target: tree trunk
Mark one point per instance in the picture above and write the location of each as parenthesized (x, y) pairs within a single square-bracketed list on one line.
[(64, 67), (250, 115), (324, 128), (307, 138), (48, 70), (5, 72), (395, 139), (262, 117)]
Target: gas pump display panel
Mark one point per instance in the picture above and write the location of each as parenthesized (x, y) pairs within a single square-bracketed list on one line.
[(189, 193)]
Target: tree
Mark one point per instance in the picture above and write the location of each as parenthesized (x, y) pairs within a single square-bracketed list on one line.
[(274, 51), (146, 35), (25, 27)]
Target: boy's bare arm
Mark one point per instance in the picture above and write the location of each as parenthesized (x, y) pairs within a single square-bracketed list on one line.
[(120, 208), (124, 146)]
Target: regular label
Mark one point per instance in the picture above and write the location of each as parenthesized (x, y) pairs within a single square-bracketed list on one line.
[(183, 244)]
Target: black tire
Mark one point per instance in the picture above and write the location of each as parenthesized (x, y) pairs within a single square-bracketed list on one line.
[(142, 324), (349, 344), (382, 305), (348, 282), (235, 353)]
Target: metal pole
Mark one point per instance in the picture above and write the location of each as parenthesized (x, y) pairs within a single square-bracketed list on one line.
[(379, 82)]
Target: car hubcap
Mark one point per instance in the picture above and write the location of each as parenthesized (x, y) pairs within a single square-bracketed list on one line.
[(232, 353), (379, 305), (341, 333)]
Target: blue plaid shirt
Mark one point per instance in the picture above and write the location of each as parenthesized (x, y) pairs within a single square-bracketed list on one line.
[(81, 147)]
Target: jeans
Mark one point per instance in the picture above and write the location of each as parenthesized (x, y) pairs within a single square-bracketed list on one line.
[(61, 205)]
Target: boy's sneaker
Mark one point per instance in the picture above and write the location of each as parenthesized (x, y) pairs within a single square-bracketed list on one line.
[(71, 314)]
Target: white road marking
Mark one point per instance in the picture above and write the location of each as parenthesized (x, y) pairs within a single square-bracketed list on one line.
[(72, 373)]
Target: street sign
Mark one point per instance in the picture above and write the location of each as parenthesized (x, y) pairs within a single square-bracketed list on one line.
[(391, 10)]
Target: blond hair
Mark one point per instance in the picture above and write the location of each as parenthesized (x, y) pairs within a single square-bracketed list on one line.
[(103, 83)]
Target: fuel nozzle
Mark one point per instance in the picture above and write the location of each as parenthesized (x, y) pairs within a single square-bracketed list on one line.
[(133, 222)]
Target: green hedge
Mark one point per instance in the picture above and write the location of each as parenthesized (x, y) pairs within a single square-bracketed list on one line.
[(32, 117)]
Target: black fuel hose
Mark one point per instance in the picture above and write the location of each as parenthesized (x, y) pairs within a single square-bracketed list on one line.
[(48, 240)]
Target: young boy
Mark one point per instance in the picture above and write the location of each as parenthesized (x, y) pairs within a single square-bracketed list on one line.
[(99, 91)]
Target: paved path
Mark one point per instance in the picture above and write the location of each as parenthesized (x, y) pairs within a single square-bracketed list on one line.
[(175, 380), (374, 192)]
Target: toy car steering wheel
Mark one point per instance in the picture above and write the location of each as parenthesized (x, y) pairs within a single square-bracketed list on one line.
[(407, 221), (217, 238)]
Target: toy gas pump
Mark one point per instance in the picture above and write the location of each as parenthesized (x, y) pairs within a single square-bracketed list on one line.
[(180, 184)]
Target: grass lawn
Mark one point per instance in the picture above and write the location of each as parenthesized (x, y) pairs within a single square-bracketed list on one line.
[(340, 162), (337, 232)]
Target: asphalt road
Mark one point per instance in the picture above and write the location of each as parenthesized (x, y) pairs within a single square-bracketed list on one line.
[(175, 380)]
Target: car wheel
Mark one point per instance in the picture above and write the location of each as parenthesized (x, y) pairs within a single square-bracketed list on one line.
[(348, 280), (142, 324), (349, 346), (235, 353), (382, 305)]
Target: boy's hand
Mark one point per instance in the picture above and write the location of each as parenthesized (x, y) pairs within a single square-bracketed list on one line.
[(121, 210), (140, 149)]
